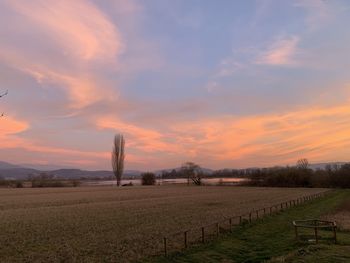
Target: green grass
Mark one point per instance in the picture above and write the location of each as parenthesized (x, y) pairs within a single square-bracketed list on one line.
[(272, 238)]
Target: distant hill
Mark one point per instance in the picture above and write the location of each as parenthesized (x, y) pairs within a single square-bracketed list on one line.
[(77, 173), (17, 173), (177, 169), (5, 165), (44, 167), (11, 171)]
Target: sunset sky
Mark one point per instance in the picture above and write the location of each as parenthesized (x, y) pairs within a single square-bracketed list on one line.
[(226, 84)]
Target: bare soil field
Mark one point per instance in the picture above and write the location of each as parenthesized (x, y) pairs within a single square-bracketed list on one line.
[(110, 224)]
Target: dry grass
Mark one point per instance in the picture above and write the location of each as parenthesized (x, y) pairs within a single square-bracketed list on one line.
[(341, 215), (95, 224)]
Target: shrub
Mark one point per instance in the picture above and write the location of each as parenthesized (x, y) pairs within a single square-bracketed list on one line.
[(5, 183), (75, 183), (47, 180), (18, 184), (148, 179)]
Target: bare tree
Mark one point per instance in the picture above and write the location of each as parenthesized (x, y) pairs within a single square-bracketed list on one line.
[(2, 95), (193, 172), (303, 163), (118, 157)]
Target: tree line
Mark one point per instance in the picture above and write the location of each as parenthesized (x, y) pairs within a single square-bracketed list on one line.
[(333, 176)]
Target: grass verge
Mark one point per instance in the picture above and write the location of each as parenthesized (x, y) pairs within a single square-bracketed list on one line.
[(272, 239)]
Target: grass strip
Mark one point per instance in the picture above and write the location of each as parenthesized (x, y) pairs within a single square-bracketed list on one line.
[(271, 238)]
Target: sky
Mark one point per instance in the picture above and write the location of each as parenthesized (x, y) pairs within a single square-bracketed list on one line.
[(225, 84)]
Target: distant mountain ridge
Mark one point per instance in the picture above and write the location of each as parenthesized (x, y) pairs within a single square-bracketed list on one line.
[(12, 171), (5, 165)]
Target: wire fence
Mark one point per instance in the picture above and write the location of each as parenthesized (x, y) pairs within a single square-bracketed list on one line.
[(179, 241)]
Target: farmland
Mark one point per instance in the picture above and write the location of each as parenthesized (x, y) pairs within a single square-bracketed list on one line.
[(273, 239), (94, 224)]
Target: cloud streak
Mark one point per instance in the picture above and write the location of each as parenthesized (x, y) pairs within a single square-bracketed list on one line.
[(262, 140)]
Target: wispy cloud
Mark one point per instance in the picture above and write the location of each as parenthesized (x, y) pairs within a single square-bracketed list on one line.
[(281, 52), (314, 133), (9, 129), (146, 140), (77, 38), (62, 20), (11, 137), (318, 12), (229, 66)]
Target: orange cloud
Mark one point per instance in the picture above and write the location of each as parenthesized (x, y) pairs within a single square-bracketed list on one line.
[(319, 134), (147, 140), (10, 138), (264, 140), (8, 130), (315, 133)]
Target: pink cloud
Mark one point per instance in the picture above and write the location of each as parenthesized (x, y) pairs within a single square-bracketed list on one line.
[(61, 20), (67, 64), (9, 128), (280, 52)]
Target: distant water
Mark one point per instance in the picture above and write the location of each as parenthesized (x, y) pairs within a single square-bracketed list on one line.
[(207, 181)]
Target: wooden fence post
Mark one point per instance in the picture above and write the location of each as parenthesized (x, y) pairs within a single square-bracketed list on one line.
[(240, 219), (165, 247), (185, 238), (230, 222), (217, 229), (203, 239), (316, 236), (250, 217)]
